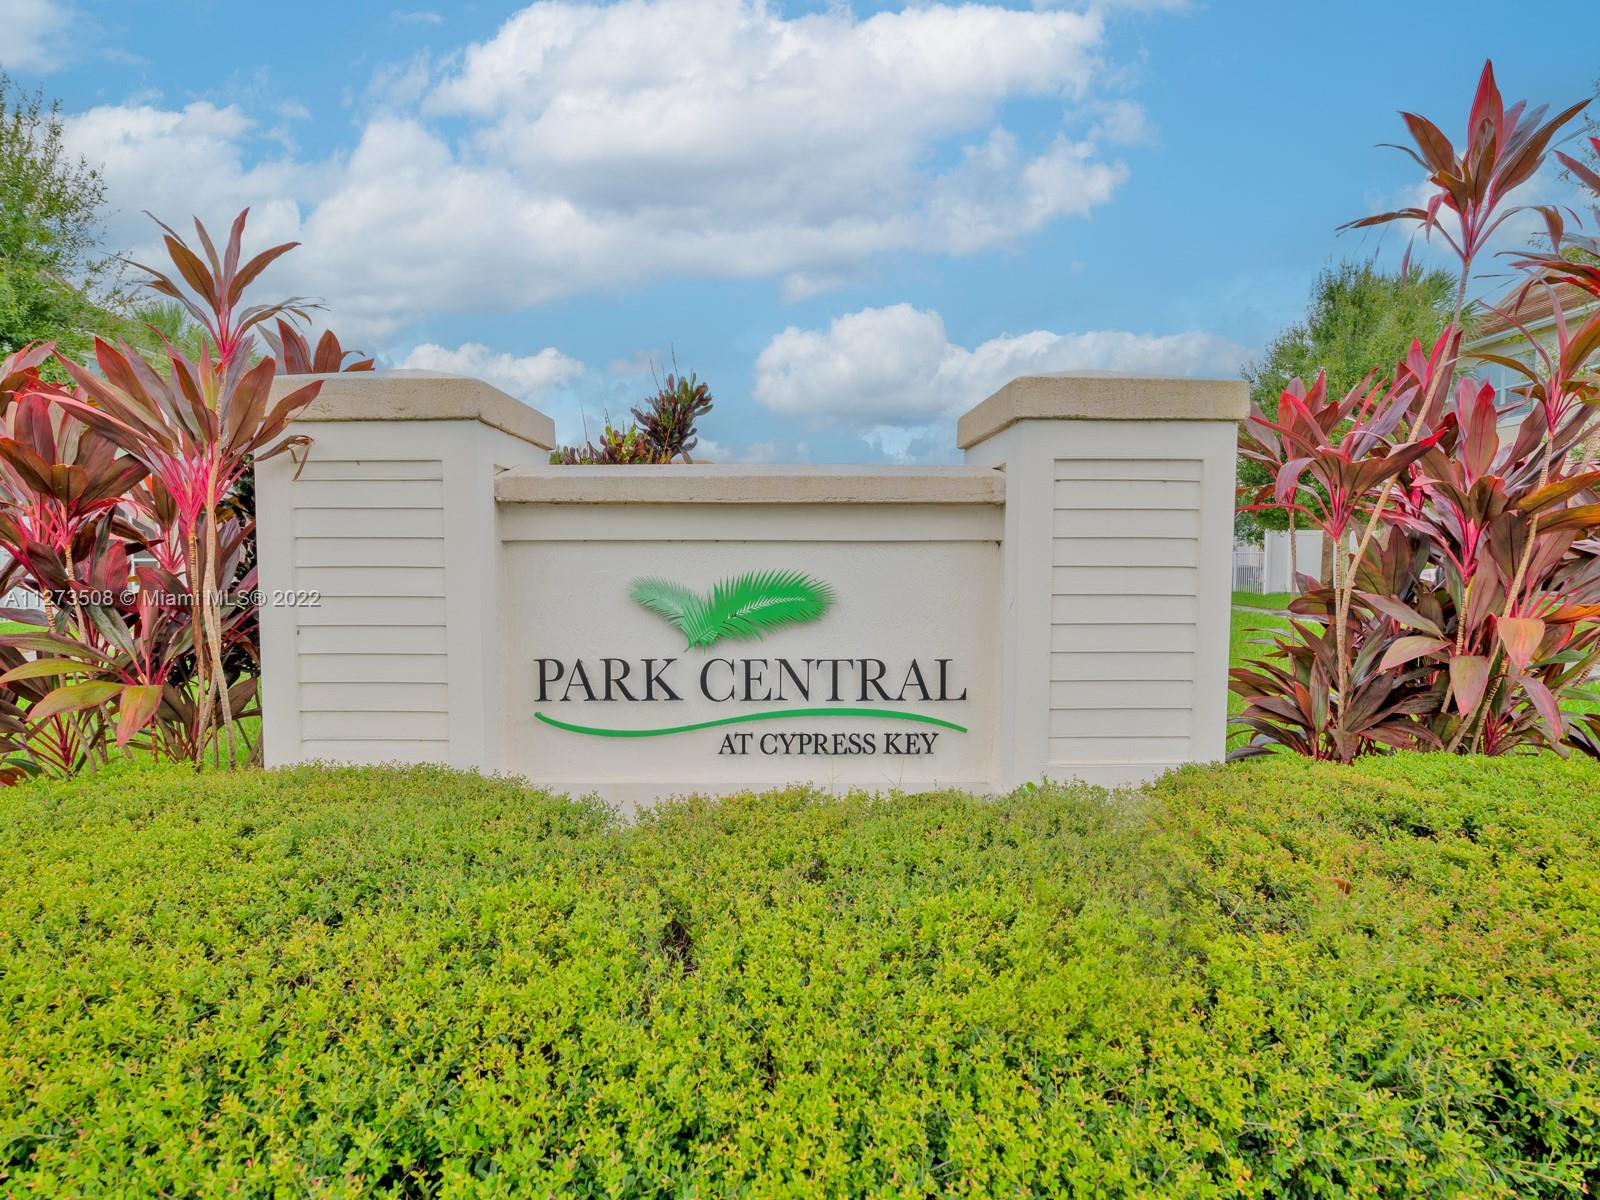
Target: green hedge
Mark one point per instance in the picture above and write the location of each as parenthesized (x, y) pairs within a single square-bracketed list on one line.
[(1271, 980)]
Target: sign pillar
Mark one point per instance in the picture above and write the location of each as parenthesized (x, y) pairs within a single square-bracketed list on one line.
[(379, 568), (1116, 564)]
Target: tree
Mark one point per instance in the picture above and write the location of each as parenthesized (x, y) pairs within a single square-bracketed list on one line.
[(1360, 319), (50, 204)]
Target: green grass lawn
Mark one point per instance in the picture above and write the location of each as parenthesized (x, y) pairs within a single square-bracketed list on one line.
[(1273, 979), (1274, 600), (1246, 632)]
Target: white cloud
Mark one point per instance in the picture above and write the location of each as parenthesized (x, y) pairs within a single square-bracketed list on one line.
[(719, 131), (1122, 123), (32, 34), (708, 451), (401, 85), (994, 194), (769, 452), (186, 162), (527, 377), (541, 380), (589, 146), (893, 375), (707, 89), (759, 453)]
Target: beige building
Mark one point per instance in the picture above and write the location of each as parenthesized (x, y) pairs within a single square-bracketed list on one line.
[(1498, 335)]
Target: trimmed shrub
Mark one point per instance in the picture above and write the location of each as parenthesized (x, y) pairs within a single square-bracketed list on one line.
[(1278, 979)]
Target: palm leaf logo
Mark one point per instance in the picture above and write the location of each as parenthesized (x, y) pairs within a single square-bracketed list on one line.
[(671, 600), (743, 607)]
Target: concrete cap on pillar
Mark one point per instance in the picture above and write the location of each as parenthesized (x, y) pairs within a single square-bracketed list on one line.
[(1091, 396), (419, 396)]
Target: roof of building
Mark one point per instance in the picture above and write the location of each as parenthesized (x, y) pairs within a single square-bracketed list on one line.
[(1535, 307)]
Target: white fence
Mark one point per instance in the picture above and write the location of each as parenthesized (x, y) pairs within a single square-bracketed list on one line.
[(1267, 567)]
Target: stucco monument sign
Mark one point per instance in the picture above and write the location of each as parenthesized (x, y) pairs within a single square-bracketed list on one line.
[(1058, 606)]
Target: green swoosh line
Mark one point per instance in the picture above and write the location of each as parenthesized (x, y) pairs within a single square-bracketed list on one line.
[(886, 714)]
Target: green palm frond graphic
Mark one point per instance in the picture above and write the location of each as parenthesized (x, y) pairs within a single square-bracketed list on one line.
[(671, 600), (744, 607)]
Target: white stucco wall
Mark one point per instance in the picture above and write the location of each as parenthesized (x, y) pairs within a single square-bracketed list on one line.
[(1074, 579)]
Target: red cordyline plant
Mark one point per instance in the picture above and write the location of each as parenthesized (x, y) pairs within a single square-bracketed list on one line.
[(1573, 257), (219, 283), (296, 357), (141, 660), (1505, 148), (196, 426), (60, 481), (132, 456), (1464, 608), (42, 532)]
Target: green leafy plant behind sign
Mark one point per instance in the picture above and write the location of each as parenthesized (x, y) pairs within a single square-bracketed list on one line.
[(741, 608)]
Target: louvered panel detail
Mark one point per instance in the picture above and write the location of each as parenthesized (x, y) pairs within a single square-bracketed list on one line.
[(1125, 610)]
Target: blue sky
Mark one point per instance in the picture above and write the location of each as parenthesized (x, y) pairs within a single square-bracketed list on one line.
[(853, 222)]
